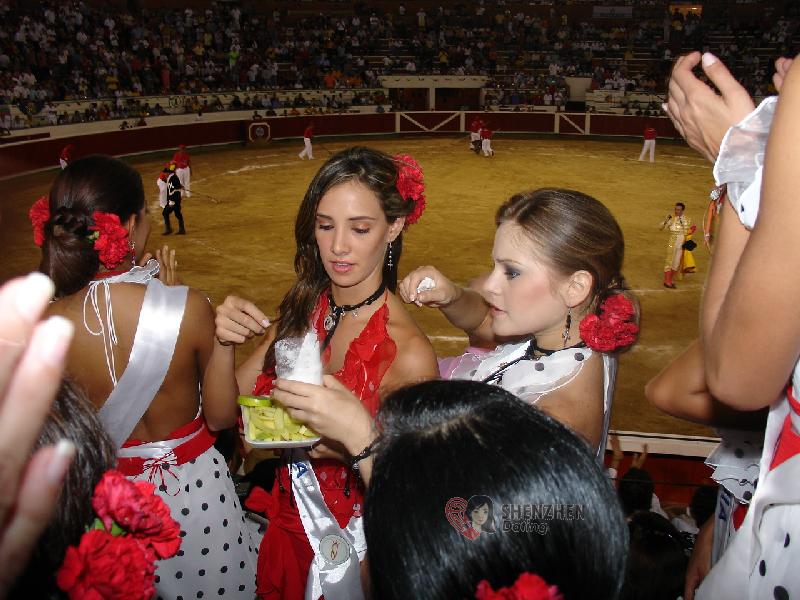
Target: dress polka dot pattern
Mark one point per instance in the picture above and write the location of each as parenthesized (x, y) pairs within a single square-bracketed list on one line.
[(209, 564)]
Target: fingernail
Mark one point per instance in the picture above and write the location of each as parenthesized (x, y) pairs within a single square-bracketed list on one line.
[(265, 323), (62, 456), (33, 295), (52, 340), (709, 59), (664, 107)]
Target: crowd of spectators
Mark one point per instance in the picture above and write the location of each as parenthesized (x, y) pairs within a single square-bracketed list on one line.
[(73, 51)]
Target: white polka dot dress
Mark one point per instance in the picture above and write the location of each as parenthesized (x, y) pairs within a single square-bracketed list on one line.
[(530, 380), (217, 558)]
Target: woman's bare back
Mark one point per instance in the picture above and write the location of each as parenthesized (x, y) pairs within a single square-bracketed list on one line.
[(178, 399)]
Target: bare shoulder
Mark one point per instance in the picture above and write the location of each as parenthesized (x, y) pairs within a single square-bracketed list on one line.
[(198, 316), (416, 358)]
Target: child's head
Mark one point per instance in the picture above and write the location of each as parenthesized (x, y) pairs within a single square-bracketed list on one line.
[(444, 442)]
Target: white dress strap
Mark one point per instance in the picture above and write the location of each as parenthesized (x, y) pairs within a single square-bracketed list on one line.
[(153, 346)]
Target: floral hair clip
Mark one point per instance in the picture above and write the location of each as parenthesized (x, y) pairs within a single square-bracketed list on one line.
[(109, 236), (613, 328), (116, 556), (110, 239), (39, 214), (411, 186), (527, 587)]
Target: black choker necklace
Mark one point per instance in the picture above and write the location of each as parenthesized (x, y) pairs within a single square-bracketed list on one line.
[(532, 352), (337, 312)]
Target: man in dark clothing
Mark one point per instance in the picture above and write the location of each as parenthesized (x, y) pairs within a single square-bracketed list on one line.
[(173, 202)]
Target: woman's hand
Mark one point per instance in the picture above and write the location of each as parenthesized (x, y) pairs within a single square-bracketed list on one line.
[(700, 114), (237, 320), (330, 409), (444, 291), (32, 358), (168, 266)]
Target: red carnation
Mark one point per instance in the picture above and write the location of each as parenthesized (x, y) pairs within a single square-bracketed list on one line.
[(411, 186), (164, 538), (527, 587), (134, 507), (613, 328), (618, 308), (39, 214), (112, 242), (104, 566), (118, 500)]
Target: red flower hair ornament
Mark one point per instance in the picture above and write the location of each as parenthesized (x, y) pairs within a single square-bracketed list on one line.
[(411, 185), (39, 214), (109, 236), (115, 557), (613, 328), (527, 587)]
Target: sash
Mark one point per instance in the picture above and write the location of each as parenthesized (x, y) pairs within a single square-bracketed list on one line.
[(151, 354), (335, 571)]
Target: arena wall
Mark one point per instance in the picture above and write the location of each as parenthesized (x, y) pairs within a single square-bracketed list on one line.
[(37, 149)]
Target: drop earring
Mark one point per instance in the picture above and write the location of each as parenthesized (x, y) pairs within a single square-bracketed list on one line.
[(567, 326), (389, 261), (132, 244)]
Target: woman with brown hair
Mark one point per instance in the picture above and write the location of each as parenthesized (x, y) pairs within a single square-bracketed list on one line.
[(349, 240), (155, 341), (557, 288)]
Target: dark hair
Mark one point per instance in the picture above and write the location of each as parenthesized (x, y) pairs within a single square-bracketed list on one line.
[(635, 490), (681, 204), (378, 173), (476, 502), (572, 232), (94, 183), (704, 503), (73, 418), (445, 439), (657, 560)]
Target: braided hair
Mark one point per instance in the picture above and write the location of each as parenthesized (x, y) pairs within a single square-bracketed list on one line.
[(93, 183)]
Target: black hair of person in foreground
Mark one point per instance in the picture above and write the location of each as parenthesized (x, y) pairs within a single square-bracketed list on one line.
[(446, 439)]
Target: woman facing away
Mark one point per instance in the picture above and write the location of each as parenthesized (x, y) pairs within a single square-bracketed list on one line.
[(144, 368), (349, 240), (557, 288), (557, 520)]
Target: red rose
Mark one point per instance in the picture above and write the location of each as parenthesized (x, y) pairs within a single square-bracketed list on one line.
[(39, 214), (411, 186), (104, 566), (527, 587), (112, 242)]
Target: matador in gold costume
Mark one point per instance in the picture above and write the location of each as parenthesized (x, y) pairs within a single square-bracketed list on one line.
[(679, 227)]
